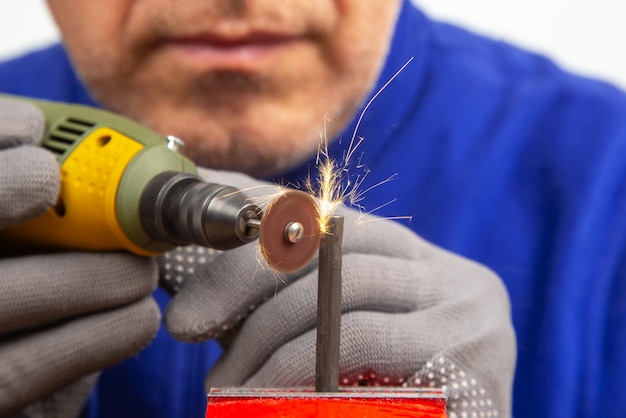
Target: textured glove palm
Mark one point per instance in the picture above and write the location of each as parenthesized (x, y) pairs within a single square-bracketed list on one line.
[(413, 314), (62, 316)]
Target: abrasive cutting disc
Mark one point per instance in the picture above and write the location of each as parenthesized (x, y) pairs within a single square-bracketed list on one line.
[(280, 253)]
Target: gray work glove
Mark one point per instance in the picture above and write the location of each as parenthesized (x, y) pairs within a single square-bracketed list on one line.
[(413, 315), (63, 317), (29, 175)]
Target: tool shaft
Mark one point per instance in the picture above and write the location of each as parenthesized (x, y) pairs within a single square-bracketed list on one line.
[(181, 209), (329, 308)]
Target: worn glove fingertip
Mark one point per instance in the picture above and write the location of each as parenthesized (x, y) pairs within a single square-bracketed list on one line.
[(43, 171), (187, 325), (30, 181), (22, 123), (148, 320)]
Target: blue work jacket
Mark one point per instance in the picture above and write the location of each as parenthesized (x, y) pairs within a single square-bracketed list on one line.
[(498, 155)]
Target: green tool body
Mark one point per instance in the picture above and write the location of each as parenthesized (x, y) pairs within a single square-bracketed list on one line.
[(123, 186)]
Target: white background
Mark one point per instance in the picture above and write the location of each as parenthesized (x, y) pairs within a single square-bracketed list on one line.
[(584, 36)]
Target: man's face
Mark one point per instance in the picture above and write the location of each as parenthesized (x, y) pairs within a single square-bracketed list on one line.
[(247, 84)]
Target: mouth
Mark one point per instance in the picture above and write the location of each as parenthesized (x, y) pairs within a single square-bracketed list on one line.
[(241, 52)]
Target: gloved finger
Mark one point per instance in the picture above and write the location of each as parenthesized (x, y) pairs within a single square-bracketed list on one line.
[(370, 283), (236, 282), (219, 294), (371, 343), (29, 183), (390, 287), (21, 123), (35, 365), (474, 367), (42, 289), (67, 402)]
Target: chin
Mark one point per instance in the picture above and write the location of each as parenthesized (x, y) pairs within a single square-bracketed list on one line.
[(258, 128)]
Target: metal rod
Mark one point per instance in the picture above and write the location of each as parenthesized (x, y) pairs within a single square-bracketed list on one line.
[(329, 308), (253, 223)]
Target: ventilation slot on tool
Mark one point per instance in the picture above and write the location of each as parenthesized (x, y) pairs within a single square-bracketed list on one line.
[(65, 134)]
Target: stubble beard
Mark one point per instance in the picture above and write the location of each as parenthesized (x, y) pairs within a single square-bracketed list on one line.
[(221, 133)]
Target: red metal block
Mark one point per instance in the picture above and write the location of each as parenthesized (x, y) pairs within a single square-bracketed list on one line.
[(347, 403)]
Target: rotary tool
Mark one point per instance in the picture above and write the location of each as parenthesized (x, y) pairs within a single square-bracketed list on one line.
[(124, 186)]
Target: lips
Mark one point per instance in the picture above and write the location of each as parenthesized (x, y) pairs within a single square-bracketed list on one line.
[(240, 52)]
